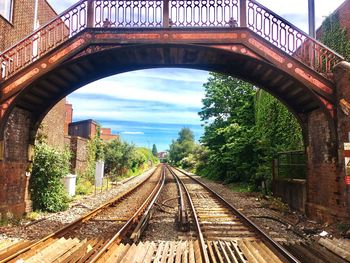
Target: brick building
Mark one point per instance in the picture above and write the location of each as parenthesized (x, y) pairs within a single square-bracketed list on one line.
[(18, 19), (343, 14)]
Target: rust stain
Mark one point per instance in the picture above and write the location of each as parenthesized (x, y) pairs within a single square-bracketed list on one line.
[(128, 36), (4, 106), (345, 106), (239, 49), (266, 50), (192, 36), (19, 81), (314, 81), (329, 106), (67, 50)]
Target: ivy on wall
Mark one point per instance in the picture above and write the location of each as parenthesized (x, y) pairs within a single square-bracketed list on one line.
[(335, 36)]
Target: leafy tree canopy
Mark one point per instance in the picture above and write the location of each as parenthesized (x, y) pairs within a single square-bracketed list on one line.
[(154, 150)]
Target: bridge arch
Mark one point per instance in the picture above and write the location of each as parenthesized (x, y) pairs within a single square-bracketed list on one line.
[(39, 96)]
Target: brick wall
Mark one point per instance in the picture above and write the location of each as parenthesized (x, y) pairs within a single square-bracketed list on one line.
[(53, 125), (22, 23), (78, 147), (14, 189), (343, 12), (68, 117)]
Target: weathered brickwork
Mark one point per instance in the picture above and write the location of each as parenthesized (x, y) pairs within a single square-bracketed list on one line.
[(13, 192), (78, 147), (68, 117), (342, 76), (343, 13), (22, 23), (53, 125), (325, 200)]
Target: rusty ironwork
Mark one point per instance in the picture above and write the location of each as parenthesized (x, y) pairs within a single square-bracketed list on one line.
[(169, 13), (290, 39)]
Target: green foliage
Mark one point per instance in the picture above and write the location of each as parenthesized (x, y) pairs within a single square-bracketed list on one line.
[(118, 157), (122, 158), (244, 130), (229, 132), (277, 130), (182, 147), (154, 150), (50, 166), (84, 186), (335, 36)]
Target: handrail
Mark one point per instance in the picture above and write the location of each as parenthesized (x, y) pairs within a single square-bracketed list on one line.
[(169, 14), (291, 39), (43, 40)]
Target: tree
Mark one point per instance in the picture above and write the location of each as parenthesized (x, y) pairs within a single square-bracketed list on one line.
[(154, 150), (181, 147), (229, 135), (118, 157)]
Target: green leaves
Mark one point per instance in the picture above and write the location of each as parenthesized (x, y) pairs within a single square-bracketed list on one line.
[(245, 128), (182, 147), (50, 166)]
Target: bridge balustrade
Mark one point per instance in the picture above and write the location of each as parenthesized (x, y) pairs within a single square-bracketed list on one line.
[(170, 14)]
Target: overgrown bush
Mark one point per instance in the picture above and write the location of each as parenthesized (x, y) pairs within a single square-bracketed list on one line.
[(47, 190)]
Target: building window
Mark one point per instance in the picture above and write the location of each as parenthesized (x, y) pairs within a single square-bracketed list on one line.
[(6, 9)]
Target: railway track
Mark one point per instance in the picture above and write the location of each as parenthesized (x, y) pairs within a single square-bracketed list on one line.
[(87, 239), (205, 229)]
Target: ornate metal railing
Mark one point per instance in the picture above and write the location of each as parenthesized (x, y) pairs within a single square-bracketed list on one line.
[(290, 39), (169, 13), (43, 40)]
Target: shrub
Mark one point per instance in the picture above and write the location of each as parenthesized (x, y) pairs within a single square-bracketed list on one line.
[(84, 186), (47, 190)]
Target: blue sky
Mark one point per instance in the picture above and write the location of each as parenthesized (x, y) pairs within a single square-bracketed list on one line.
[(151, 106)]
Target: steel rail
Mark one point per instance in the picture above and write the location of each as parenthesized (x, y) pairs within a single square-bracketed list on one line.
[(146, 205), (288, 257), (82, 219), (196, 221), (182, 216)]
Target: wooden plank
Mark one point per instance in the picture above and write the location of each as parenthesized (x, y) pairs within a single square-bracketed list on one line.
[(267, 252), (247, 253), (231, 253), (72, 250), (179, 250), (185, 252), (223, 250), (165, 252), (150, 251), (159, 252), (129, 255), (334, 248), (141, 252), (218, 252), (191, 258), (197, 251), (211, 252), (9, 248), (255, 250), (171, 253)]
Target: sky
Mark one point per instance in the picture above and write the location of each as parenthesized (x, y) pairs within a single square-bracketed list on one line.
[(149, 107)]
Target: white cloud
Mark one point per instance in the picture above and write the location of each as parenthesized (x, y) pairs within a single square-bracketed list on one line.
[(133, 133), (129, 91), (186, 117)]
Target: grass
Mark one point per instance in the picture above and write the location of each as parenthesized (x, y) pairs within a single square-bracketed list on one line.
[(240, 187)]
